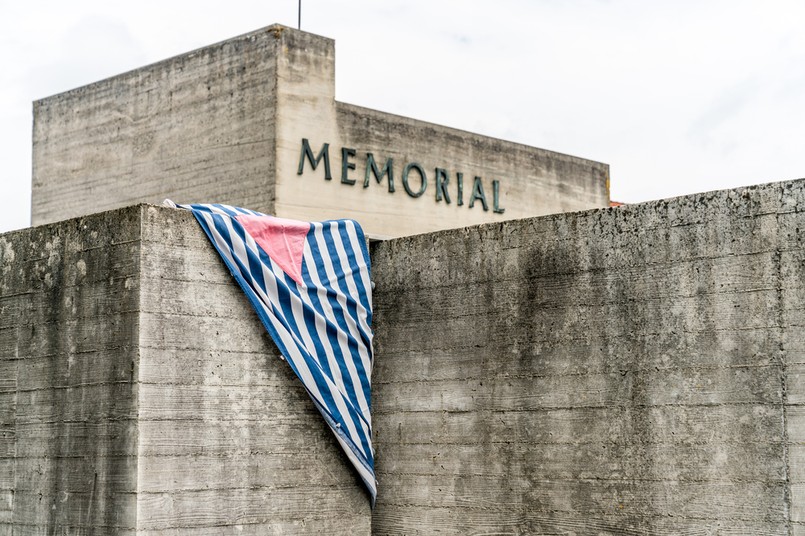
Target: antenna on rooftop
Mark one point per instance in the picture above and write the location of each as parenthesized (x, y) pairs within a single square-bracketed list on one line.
[(299, 23)]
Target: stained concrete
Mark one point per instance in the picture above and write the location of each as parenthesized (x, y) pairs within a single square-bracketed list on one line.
[(622, 371), (69, 305), (139, 392)]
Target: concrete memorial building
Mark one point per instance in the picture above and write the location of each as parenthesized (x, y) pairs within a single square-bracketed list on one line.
[(563, 368), (253, 122)]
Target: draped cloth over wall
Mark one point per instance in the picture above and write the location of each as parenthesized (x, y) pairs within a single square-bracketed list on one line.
[(310, 285)]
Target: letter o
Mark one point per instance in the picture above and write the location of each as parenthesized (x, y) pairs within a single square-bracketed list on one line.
[(408, 167)]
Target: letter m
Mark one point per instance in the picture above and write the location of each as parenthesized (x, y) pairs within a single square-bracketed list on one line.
[(307, 152), (371, 168)]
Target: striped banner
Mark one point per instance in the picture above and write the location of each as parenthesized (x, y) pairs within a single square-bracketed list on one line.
[(310, 285)]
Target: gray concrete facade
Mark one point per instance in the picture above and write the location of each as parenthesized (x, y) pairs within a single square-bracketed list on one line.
[(226, 124), (195, 127), (636, 370), (629, 371), (139, 393), (69, 306)]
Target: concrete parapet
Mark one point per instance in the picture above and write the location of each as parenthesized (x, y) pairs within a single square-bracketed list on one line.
[(140, 394), (620, 371)]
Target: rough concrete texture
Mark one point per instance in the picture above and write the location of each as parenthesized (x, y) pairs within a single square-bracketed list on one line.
[(533, 182), (140, 394), (621, 371), (196, 128), (68, 367), (225, 124)]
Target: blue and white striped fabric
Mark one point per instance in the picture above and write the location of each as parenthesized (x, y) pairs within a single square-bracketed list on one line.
[(310, 285)]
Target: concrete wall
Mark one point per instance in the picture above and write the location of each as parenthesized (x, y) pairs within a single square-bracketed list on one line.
[(225, 124), (228, 437), (140, 393), (69, 318), (196, 128), (532, 182), (622, 371)]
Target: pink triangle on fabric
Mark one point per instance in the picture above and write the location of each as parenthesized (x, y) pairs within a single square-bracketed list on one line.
[(282, 240)]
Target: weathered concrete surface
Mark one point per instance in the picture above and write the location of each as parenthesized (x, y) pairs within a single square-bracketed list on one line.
[(624, 371), (196, 128), (621, 371), (532, 182), (139, 392), (69, 317), (228, 436), (225, 124)]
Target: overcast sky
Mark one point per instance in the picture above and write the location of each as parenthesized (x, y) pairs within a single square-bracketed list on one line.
[(677, 96)]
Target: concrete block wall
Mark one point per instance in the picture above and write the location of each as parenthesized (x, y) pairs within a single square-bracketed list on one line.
[(140, 394), (622, 371)]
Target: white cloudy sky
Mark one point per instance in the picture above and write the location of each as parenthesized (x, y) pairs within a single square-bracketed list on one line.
[(677, 96)]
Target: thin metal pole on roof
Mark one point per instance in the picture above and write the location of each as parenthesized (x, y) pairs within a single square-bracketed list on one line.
[(299, 23)]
